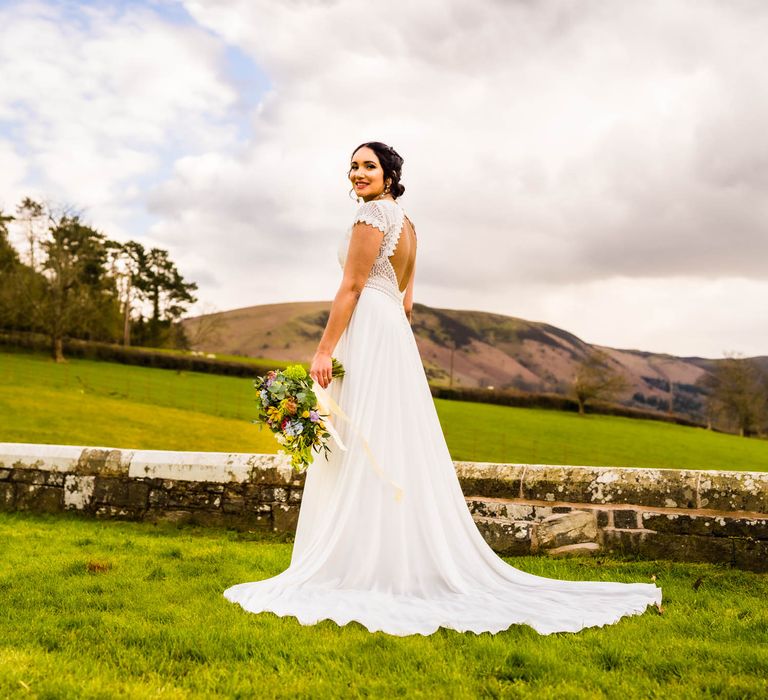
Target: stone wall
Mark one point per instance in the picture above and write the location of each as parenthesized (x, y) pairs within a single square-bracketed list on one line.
[(685, 515)]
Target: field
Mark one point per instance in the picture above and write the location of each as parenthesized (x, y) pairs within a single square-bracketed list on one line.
[(83, 402), (97, 609), (94, 609)]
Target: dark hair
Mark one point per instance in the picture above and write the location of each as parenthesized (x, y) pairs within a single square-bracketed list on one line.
[(391, 163)]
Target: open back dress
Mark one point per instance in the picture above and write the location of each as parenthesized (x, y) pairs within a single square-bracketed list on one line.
[(394, 547)]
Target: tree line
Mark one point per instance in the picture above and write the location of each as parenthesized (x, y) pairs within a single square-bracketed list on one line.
[(65, 279)]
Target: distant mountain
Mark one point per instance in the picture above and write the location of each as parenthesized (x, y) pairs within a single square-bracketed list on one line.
[(467, 349)]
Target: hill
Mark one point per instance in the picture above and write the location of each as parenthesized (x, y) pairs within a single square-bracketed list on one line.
[(467, 349)]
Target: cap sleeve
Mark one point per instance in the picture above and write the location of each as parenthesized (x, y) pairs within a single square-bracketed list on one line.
[(373, 214)]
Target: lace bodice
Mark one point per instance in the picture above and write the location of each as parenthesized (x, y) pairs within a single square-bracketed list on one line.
[(387, 216)]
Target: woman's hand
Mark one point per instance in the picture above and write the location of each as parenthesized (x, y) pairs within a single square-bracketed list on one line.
[(321, 368)]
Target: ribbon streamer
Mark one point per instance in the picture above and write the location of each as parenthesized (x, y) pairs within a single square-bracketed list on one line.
[(327, 405)]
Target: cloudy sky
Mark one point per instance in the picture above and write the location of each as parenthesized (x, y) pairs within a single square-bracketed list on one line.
[(601, 166)]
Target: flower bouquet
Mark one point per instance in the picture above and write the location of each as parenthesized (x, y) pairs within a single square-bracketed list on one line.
[(290, 408)]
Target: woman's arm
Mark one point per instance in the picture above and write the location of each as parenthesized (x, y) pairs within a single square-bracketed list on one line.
[(364, 246), (408, 299)]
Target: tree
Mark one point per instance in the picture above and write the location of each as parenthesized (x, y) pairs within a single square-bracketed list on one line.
[(166, 291), (739, 393), (129, 267), (33, 215), (595, 378), (18, 283), (148, 278), (74, 282), (8, 255), (9, 264), (205, 329), (79, 297)]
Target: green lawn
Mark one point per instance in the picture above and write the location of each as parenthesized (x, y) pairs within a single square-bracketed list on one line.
[(101, 403), (500, 434), (98, 609)]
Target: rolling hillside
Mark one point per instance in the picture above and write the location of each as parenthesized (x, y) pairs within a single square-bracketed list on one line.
[(479, 349)]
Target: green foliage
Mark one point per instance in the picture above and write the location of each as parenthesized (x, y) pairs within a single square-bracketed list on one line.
[(74, 283), (337, 369), (19, 285), (166, 290), (9, 258), (96, 609), (78, 297)]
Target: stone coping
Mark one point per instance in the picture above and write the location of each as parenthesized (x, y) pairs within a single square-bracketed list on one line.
[(694, 489), (677, 489), (211, 467)]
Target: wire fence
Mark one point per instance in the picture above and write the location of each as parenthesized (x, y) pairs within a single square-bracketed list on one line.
[(231, 397), (489, 433)]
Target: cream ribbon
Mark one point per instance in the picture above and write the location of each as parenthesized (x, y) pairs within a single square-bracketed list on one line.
[(328, 406)]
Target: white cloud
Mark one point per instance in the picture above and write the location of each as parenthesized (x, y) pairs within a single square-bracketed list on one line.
[(679, 315), (12, 174), (599, 166), (98, 98)]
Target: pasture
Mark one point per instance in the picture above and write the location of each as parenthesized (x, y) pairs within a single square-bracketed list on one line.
[(95, 609), (83, 402)]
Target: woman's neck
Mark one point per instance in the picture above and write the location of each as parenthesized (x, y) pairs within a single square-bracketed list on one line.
[(380, 198)]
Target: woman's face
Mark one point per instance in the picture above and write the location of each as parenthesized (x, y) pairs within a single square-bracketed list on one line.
[(366, 174)]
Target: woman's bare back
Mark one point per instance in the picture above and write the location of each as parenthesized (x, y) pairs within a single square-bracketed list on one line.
[(404, 257)]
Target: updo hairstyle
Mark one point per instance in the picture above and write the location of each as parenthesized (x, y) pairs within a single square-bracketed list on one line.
[(391, 164)]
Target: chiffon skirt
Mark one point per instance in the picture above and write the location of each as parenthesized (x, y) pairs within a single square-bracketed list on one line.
[(413, 564)]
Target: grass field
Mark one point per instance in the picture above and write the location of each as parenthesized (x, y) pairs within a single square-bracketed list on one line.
[(95, 609), (99, 403)]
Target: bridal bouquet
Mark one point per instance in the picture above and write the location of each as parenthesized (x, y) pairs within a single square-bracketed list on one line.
[(289, 407)]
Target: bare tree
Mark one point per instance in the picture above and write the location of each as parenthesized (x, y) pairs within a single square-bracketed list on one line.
[(738, 393), (595, 378), (205, 329), (34, 218)]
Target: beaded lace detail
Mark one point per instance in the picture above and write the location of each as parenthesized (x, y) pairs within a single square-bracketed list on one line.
[(387, 216)]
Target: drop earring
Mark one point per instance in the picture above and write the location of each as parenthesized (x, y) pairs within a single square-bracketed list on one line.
[(386, 189)]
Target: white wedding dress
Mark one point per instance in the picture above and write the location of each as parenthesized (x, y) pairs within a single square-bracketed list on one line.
[(414, 564)]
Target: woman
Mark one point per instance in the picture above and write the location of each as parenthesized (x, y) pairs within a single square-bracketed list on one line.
[(384, 536)]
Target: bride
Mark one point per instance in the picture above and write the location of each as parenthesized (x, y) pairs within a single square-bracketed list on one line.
[(384, 535)]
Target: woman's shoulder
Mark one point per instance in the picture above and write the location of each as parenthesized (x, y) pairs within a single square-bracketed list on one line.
[(373, 214), (381, 213), (394, 212)]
